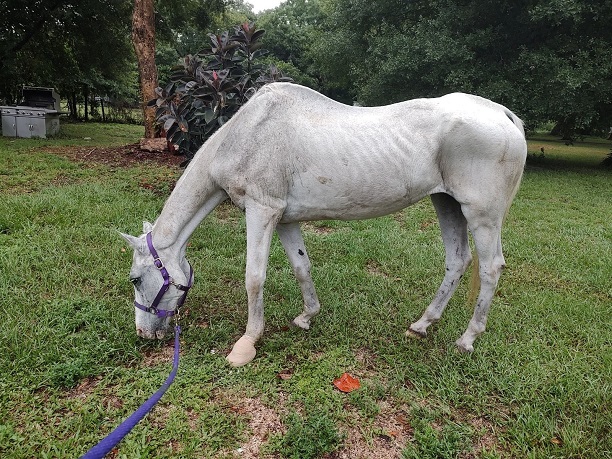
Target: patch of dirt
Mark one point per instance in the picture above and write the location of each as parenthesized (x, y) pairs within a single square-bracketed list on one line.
[(485, 436), (262, 422), (155, 356), (375, 269), (85, 388), (123, 156), (317, 228), (88, 386), (427, 224), (385, 438)]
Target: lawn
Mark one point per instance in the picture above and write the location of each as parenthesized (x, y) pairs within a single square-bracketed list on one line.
[(537, 386)]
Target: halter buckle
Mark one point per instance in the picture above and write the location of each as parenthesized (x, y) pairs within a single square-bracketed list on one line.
[(158, 263)]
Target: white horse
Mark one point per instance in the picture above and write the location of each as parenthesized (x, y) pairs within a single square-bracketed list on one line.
[(292, 155)]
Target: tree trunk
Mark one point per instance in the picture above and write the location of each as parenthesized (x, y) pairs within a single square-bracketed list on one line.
[(143, 39), (86, 99), (73, 106), (565, 128)]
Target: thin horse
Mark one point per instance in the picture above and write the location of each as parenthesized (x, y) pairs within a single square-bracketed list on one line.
[(292, 155)]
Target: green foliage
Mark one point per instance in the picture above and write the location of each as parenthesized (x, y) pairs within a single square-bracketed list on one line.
[(295, 31), (83, 49), (70, 46), (210, 87), (544, 59)]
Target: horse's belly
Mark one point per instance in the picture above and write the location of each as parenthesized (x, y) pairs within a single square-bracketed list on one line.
[(326, 198)]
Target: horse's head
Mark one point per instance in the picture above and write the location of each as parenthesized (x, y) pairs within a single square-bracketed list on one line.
[(161, 282)]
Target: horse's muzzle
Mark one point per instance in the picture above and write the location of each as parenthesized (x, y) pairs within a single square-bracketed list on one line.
[(150, 334)]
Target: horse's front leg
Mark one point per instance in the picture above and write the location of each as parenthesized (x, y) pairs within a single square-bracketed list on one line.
[(293, 243), (261, 222)]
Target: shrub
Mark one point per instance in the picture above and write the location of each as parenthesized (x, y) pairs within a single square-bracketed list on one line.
[(209, 88)]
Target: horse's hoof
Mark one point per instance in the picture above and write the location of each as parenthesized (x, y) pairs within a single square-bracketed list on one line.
[(243, 352), (410, 333), (301, 323), (464, 348)]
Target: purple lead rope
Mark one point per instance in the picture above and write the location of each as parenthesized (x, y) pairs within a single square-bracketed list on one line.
[(112, 439)]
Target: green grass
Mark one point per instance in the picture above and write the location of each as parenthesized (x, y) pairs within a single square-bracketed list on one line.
[(72, 368), (586, 153)]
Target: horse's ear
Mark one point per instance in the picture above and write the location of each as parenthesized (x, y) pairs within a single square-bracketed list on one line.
[(146, 227), (136, 243), (131, 240)]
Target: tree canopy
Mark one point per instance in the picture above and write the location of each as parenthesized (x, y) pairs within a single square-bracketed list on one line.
[(67, 45), (547, 59)]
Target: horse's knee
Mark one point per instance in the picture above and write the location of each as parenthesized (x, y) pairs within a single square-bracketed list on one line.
[(458, 264), (254, 282), (490, 277)]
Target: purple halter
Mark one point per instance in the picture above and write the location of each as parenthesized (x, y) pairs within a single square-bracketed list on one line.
[(163, 313)]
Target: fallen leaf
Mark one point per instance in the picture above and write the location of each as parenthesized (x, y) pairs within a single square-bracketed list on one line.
[(346, 383), (285, 374), (388, 435)]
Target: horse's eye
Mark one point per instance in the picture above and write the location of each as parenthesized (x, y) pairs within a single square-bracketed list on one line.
[(135, 281)]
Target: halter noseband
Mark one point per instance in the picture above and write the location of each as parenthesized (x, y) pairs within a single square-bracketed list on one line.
[(163, 313)]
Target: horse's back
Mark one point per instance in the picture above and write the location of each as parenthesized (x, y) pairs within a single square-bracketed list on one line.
[(322, 159)]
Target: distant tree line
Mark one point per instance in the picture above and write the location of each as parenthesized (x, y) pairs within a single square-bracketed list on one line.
[(549, 60)]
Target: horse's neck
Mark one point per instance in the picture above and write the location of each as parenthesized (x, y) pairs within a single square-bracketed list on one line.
[(194, 197), (175, 224)]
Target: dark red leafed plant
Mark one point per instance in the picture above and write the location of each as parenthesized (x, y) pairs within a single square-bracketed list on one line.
[(207, 89)]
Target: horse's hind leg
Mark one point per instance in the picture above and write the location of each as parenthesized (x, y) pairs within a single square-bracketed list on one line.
[(453, 226), (261, 221), (487, 239), (293, 243)]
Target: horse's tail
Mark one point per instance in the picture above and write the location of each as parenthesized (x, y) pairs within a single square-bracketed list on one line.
[(474, 282), (515, 120), (475, 275)]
